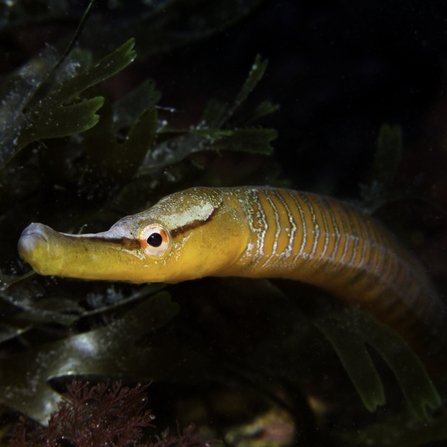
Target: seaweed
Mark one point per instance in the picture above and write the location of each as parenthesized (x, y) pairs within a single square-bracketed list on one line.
[(62, 111), (97, 415), (65, 110), (92, 352), (386, 162), (348, 333), (216, 130), (380, 191)]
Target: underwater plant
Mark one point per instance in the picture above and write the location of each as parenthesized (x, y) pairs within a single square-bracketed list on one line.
[(106, 414)]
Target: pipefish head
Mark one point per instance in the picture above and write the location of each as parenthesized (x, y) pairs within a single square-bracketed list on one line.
[(187, 235)]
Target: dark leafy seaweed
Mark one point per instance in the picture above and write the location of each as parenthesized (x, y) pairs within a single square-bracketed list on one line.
[(348, 332), (386, 162), (128, 108), (215, 130), (93, 352), (62, 111)]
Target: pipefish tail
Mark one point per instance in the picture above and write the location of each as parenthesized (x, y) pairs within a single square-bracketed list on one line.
[(255, 232)]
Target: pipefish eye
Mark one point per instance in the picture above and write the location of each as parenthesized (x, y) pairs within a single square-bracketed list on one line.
[(155, 239)]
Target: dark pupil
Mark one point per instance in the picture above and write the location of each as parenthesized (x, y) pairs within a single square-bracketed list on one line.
[(155, 240)]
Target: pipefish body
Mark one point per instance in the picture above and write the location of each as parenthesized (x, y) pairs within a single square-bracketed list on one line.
[(255, 232)]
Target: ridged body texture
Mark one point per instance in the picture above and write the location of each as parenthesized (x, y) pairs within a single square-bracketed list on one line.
[(338, 248), (259, 233)]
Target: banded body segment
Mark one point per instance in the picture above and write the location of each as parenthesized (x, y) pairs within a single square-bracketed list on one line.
[(274, 230), (336, 227), (336, 247), (257, 224)]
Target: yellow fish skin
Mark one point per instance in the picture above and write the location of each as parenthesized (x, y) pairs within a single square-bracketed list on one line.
[(256, 232)]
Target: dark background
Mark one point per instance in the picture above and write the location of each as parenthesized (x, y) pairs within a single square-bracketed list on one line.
[(338, 70)]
